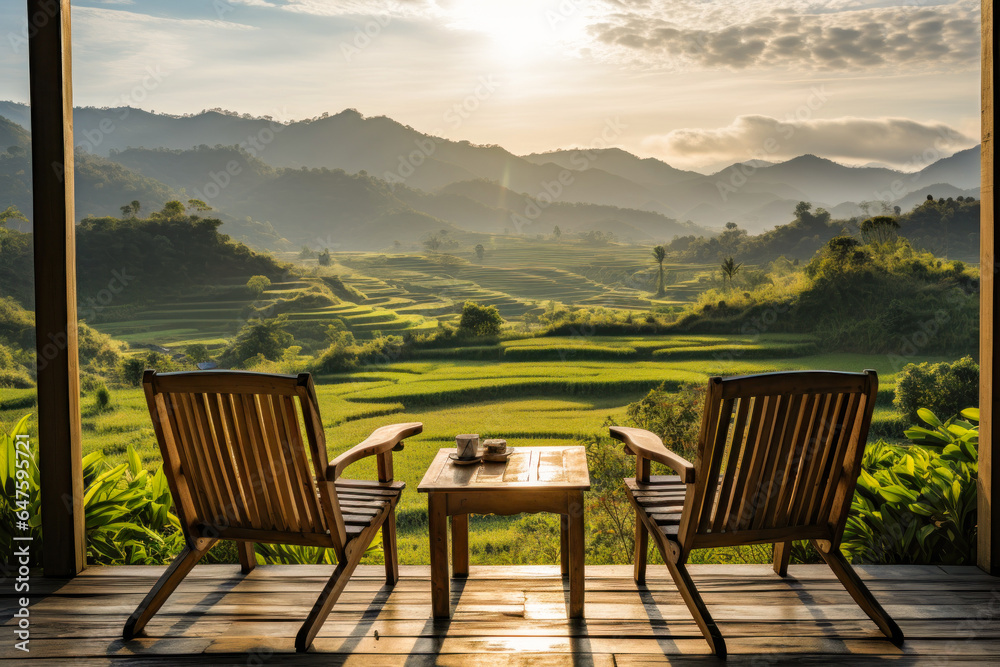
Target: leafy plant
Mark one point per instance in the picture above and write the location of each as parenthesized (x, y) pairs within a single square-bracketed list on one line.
[(943, 388), (917, 504), (126, 509)]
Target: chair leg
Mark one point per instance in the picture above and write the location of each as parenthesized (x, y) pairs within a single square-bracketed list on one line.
[(331, 592), (164, 586), (389, 548), (782, 554), (697, 606), (852, 582), (248, 559), (641, 550)]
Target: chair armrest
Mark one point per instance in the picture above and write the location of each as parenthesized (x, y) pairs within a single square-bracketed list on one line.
[(642, 443), (383, 440)]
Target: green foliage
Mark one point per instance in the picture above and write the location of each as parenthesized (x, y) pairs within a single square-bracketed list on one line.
[(102, 400), (917, 504), (674, 416), (943, 388), (880, 230), (660, 254), (131, 369), (610, 515), (197, 353), (126, 509), (257, 284), (11, 213), (265, 337), (479, 320)]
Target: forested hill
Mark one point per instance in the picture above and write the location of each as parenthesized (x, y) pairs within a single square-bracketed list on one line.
[(947, 228), (120, 262)]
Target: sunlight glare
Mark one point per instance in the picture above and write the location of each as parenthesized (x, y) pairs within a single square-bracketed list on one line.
[(520, 30)]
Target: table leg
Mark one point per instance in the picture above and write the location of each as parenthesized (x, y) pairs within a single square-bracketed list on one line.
[(564, 544), (576, 556), (438, 528), (460, 545)]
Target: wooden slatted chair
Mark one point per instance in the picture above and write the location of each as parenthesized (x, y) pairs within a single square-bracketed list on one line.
[(239, 469), (778, 458)]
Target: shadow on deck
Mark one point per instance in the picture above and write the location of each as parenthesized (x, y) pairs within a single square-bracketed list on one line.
[(504, 615)]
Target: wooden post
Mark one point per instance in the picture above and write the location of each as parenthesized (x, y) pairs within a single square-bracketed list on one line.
[(60, 452), (989, 460)]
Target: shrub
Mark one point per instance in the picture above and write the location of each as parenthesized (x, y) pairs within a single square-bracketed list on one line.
[(102, 400), (126, 509), (917, 504), (257, 284), (480, 320), (674, 417), (942, 388)]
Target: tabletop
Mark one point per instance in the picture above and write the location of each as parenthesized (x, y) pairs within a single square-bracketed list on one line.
[(532, 467)]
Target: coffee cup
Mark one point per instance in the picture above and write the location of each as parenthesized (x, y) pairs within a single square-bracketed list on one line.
[(467, 445)]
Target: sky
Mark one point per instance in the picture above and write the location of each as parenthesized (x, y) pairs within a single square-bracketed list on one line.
[(696, 83)]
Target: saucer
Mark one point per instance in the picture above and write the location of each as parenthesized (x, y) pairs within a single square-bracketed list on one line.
[(502, 456), (464, 462)]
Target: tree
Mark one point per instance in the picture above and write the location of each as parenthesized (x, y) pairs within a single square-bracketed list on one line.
[(729, 269), (433, 243), (480, 320), (257, 285), (660, 254), (480, 251), (880, 230), (172, 209), (126, 211), (323, 258), (136, 207), (198, 205), (11, 213), (267, 338), (197, 353), (556, 232)]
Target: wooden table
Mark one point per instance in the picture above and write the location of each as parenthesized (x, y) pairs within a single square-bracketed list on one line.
[(532, 479)]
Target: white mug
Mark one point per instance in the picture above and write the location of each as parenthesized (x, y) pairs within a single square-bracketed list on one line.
[(467, 445)]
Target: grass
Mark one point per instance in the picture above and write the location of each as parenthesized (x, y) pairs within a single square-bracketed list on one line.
[(551, 402), (532, 390)]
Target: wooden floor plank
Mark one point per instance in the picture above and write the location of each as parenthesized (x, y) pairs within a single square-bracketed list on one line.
[(510, 615)]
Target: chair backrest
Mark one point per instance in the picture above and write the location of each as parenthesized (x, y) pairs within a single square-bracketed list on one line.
[(236, 460), (778, 458)]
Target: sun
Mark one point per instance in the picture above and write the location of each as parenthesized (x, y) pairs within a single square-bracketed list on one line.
[(518, 31)]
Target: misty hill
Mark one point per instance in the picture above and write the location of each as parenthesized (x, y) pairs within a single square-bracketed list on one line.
[(961, 170), (750, 193), (12, 134), (102, 186), (308, 205)]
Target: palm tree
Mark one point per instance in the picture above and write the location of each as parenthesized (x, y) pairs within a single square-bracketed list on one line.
[(729, 269), (660, 254)]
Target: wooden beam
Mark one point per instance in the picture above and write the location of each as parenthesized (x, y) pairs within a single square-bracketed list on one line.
[(989, 452), (60, 452)]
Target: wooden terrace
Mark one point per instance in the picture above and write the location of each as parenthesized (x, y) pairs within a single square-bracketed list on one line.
[(511, 615)]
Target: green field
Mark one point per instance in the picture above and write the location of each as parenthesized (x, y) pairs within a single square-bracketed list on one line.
[(528, 389), (550, 402)]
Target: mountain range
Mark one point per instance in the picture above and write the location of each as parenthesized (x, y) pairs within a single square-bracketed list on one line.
[(363, 182)]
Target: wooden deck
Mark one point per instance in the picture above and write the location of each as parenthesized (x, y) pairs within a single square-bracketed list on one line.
[(505, 615)]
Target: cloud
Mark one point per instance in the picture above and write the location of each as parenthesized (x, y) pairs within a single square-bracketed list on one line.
[(852, 39), (896, 141)]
